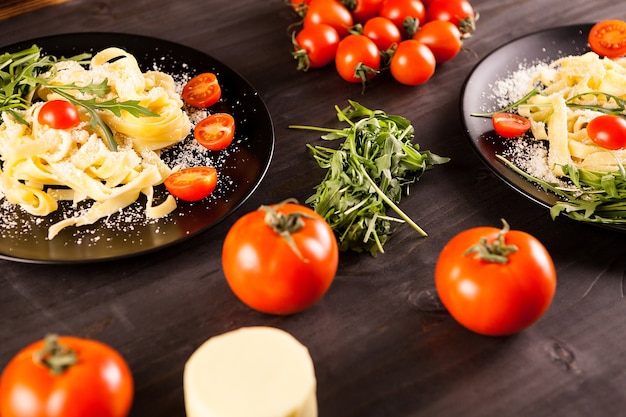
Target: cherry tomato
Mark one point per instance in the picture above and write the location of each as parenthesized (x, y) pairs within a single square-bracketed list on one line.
[(330, 12), (608, 131), (59, 114), (96, 381), (501, 292), (510, 125), (407, 15), (299, 6), (270, 274), (192, 184), (412, 63), (383, 32), (442, 37), (459, 12), (202, 91), (357, 59), (315, 46), (363, 10), (608, 38), (216, 131)]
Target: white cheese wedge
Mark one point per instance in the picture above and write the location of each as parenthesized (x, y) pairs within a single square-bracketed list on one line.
[(250, 372)]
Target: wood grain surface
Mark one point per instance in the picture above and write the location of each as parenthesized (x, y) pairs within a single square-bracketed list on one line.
[(381, 344)]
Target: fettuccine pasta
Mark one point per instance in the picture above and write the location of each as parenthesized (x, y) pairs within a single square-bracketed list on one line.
[(42, 166), (586, 80)]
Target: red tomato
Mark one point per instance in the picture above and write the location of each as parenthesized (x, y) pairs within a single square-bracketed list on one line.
[(383, 32), (608, 38), (315, 46), (59, 114), (192, 184), (215, 132), (330, 12), (608, 131), (510, 125), (459, 12), (442, 37), (412, 63), (407, 15), (267, 273), (364, 9), (96, 383), (202, 91), (357, 59), (299, 6), (495, 297)]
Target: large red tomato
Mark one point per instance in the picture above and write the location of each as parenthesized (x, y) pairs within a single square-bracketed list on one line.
[(280, 259), (66, 377), (495, 281)]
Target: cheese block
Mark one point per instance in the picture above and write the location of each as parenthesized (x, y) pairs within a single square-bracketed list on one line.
[(250, 372)]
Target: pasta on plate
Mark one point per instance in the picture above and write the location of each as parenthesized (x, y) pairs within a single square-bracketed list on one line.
[(42, 166)]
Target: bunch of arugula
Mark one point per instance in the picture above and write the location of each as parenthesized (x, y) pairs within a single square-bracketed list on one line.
[(22, 73), (587, 195), (367, 175)]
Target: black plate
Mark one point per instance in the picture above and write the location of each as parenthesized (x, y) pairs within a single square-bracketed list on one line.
[(241, 168), (477, 97)]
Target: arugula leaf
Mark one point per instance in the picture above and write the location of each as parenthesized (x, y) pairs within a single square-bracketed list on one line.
[(367, 175)]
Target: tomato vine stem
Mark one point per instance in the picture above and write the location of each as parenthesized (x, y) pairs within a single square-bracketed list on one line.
[(55, 356), (286, 224), (497, 251)]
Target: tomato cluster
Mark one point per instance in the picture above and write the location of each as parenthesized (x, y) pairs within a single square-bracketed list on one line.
[(366, 37)]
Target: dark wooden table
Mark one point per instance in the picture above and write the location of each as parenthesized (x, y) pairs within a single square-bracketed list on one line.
[(379, 346)]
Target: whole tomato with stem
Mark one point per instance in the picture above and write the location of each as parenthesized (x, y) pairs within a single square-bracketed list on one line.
[(330, 12), (362, 10), (459, 12), (443, 38), (280, 259), (494, 281), (412, 63), (357, 58), (66, 376), (315, 46), (407, 15), (383, 32)]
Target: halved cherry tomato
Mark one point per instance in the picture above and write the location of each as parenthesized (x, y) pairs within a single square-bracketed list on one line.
[(357, 59), (510, 125), (315, 46), (495, 281), (192, 184), (216, 131), (330, 12), (66, 376), (412, 63), (202, 91), (608, 131), (442, 37), (383, 32), (608, 38), (59, 114)]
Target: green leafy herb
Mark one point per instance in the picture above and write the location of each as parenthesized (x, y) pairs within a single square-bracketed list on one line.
[(367, 175)]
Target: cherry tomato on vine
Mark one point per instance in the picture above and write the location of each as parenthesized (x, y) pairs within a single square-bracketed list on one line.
[(400, 12), (299, 6), (357, 59), (330, 12), (280, 259), (202, 91), (459, 12), (363, 10), (216, 131), (383, 32), (315, 46), (608, 131), (412, 63), (192, 184), (495, 281), (59, 114), (608, 38), (510, 125), (442, 37), (65, 376)]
